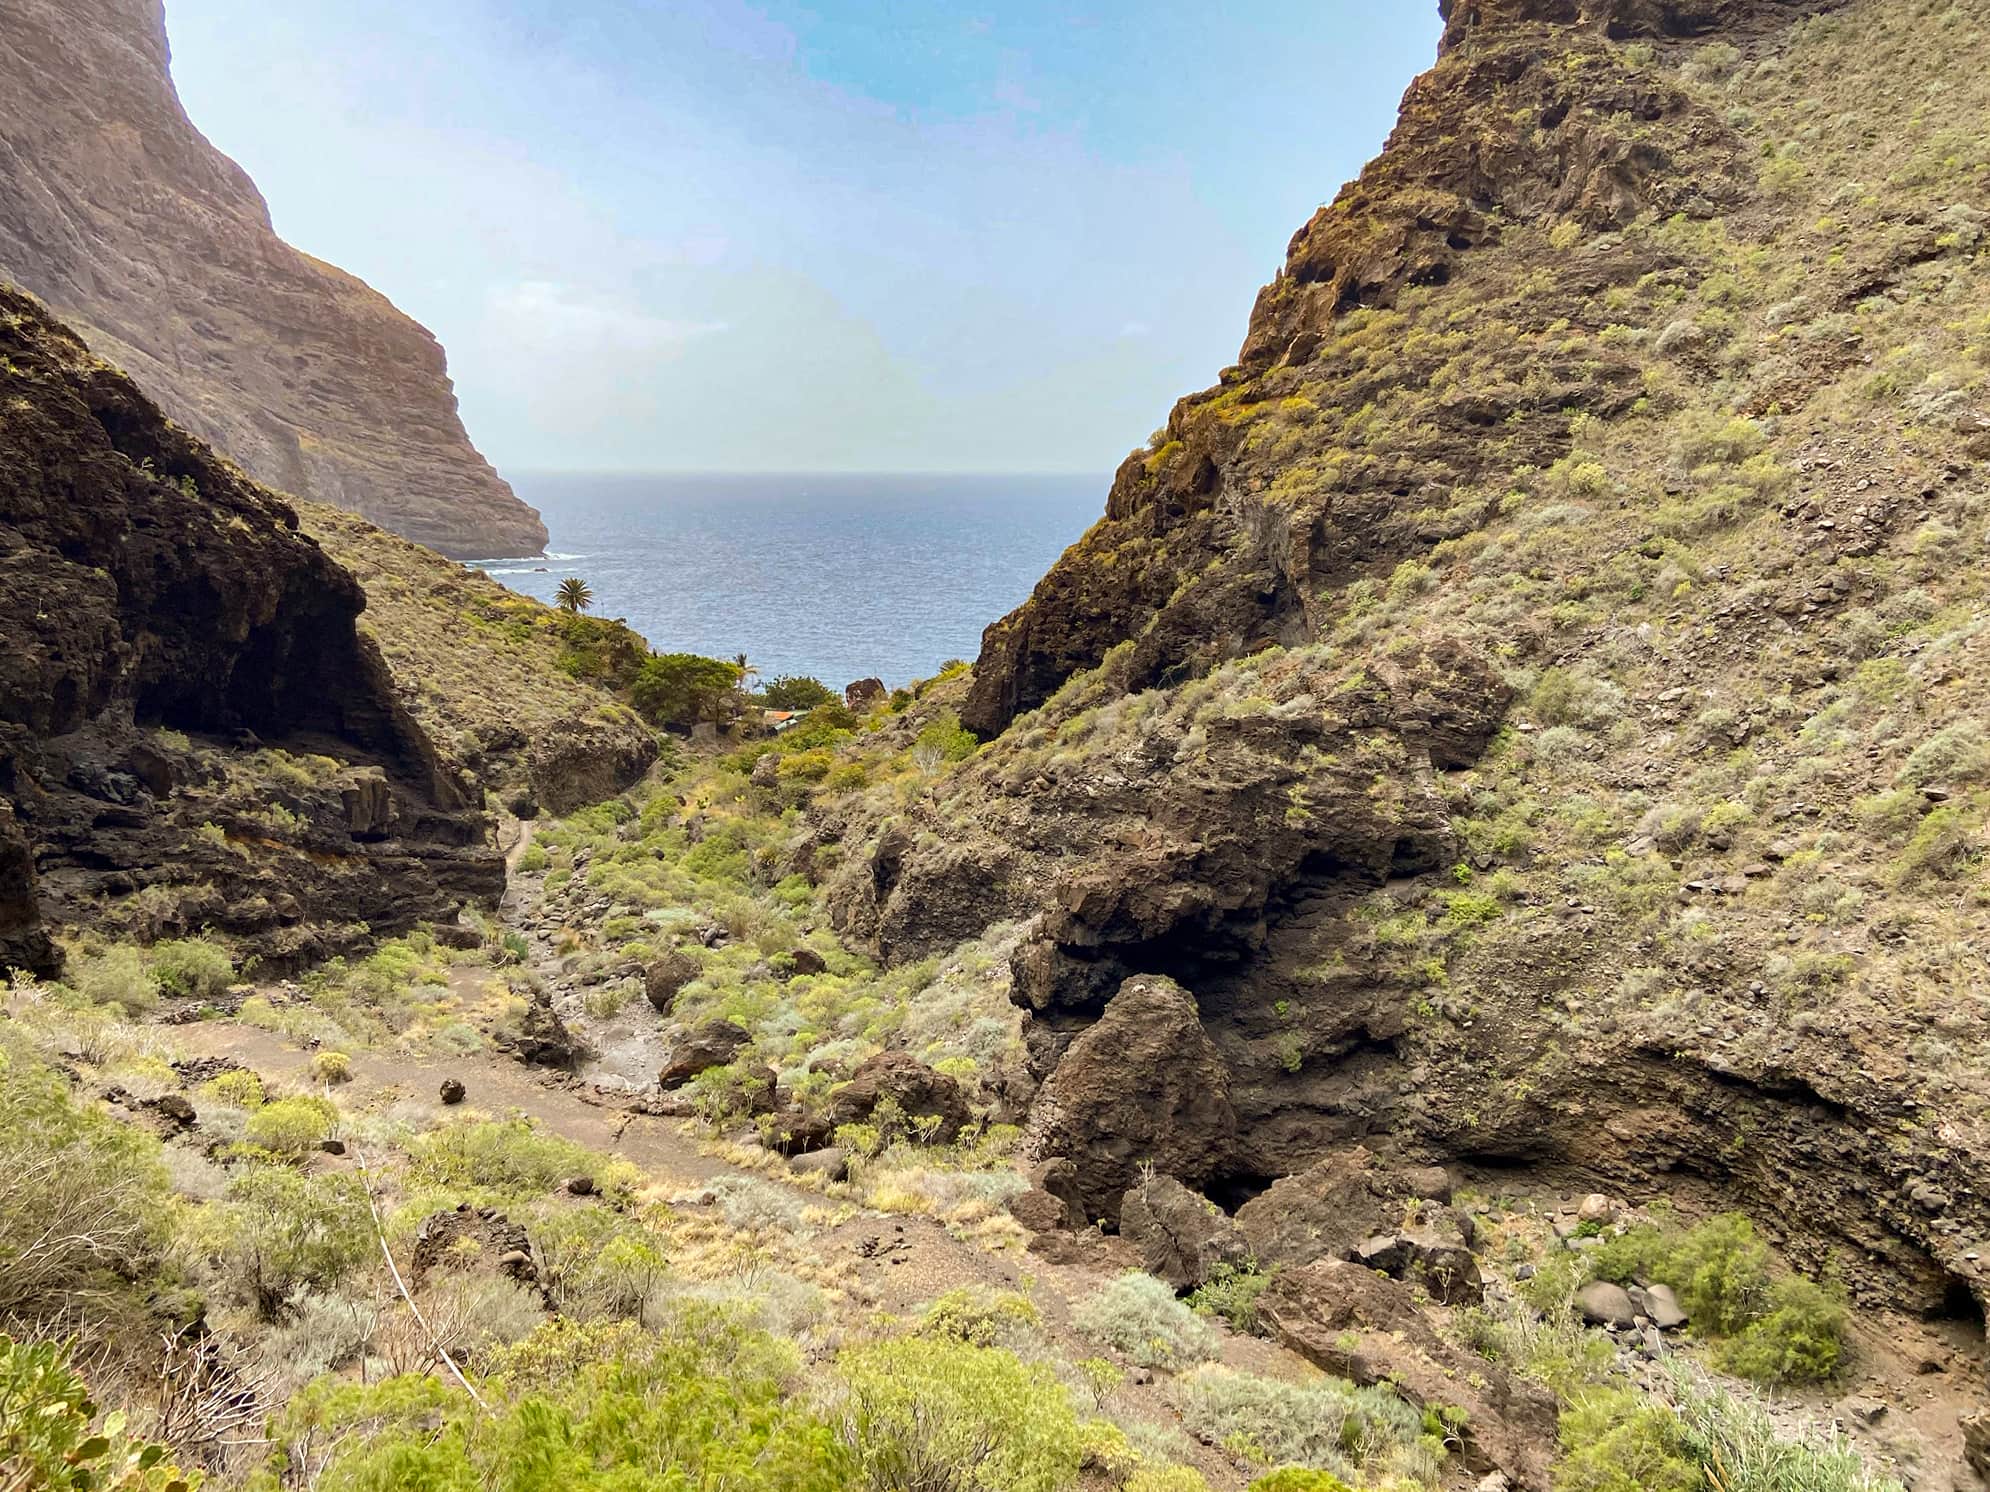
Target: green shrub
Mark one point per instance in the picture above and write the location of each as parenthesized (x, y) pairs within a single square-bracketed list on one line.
[(1140, 1316), (1166, 1479), (510, 1157), (119, 976), (1325, 1424), (1618, 1440), (533, 859), (1232, 1294), (1300, 1479), (280, 1230), (946, 739), (331, 1067), (290, 1128), (796, 692), (50, 1435), (980, 1316), (82, 1198), (952, 1417), (192, 968), (703, 1403), (1738, 1446), (1783, 1329), (1799, 1340)]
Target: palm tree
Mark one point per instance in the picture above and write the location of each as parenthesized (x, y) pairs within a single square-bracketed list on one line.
[(576, 595)]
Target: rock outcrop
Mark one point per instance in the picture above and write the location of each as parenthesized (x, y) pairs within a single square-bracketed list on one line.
[(159, 250), (193, 733), (1532, 700), (1145, 1086)]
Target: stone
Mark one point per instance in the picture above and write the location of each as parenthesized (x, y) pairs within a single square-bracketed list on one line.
[(865, 694), (1039, 1211), (332, 1147), (311, 380), (469, 1238), (832, 1163), (667, 974), (806, 961), (453, 1091), (1328, 1210), (1662, 1306), (1182, 1237), (1976, 1440), (1596, 1208), (1864, 1409), (700, 1048), (541, 1038), (1143, 1086), (174, 1106), (1601, 1303), (1359, 1325), (921, 1093), (588, 759), (580, 1186)]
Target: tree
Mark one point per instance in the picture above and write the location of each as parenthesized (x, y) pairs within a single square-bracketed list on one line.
[(681, 689), (796, 692), (576, 595)]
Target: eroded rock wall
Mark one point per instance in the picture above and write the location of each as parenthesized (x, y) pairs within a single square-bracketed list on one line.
[(169, 632)]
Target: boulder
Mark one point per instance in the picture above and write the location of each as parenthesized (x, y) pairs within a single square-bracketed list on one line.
[(1976, 1441), (583, 760), (542, 1038), (805, 961), (920, 1092), (1661, 1305), (1329, 1210), (831, 1163), (700, 1048), (1040, 1212), (1601, 1303), (466, 1238), (666, 975), (1358, 1325), (865, 694), (1144, 1086), (1182, 1237), (453, 1091), (1596, 1208)]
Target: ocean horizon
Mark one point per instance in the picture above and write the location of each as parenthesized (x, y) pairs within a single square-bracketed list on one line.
[(840, 576)]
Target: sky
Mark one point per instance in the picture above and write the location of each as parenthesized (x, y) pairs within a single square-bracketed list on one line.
[(706, 235)]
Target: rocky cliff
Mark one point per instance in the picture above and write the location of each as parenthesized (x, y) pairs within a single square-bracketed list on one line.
[(159, 250), (193, 733), (1531, 703)]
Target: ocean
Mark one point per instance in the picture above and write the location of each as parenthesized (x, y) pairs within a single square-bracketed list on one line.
[(839, 577)]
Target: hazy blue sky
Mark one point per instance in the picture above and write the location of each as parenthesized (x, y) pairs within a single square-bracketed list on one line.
[(866, 235)]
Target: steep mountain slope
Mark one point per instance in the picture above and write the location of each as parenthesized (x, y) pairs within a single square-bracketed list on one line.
[(1533, 701), (193, 734), (159, 249)]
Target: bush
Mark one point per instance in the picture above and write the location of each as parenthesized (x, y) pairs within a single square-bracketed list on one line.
[(1300, 1479), (1231, 1294), (119, 976), (281, 1231), (331, 1067), (1737, 1444), (981, 1316), (49, 1435), (1784, 1330), (290, 1128), (703, 1403), (1167, 1479), (1326, 1424), (192, 968), (796, 692), (1617, 1440), (1139, 1316), (750, 1203), (946, 1416), (683, 689), (1799, 1340), (510, 1157), (82, 1198)]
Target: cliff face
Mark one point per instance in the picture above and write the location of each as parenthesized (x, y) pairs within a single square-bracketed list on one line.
[(192, 731), (159, 250), (1533, 701)]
